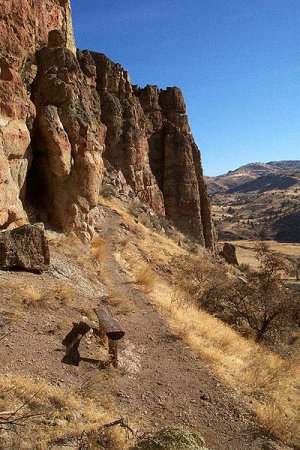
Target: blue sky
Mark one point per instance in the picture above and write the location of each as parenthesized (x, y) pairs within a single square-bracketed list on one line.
[(236, 61)]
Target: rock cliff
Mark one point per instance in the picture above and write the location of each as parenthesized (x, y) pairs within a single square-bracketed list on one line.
[(62, 111), (24, 27)]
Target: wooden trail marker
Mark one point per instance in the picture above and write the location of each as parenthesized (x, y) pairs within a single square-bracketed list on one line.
[(109, 326)]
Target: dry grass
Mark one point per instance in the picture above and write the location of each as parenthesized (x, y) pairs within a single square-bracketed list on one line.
[(64, 417), (146, 277), (270, 383), (31, 296), (246, 252), (99, 249), (120, 302)]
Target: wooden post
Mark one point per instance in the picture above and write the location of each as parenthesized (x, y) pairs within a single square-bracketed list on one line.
[(108, 325), (113, 351)]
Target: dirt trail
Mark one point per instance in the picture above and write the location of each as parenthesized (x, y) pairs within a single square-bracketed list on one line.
[(164, 383), (159, 381)]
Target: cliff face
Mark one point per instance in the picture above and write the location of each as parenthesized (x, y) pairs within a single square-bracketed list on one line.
[(68, 138), (62, 112), (24, 27)]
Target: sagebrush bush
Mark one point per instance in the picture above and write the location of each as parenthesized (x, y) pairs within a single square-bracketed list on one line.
[(146, 277), (171, 439)]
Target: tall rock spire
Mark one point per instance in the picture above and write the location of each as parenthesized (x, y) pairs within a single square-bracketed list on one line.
[(62, 111)]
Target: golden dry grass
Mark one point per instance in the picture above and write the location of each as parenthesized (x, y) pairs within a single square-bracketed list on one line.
[(28, 296), (146, 277), (246, 253), (63, 416), (120, 302), (99, 249), (270, 383)]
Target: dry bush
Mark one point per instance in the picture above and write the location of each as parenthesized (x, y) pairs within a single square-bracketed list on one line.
[(31, 296), (244, 267), (99, 248), (269, 382), (203, 279), (294, 268), (171, 438), (146, 277), (135, 208), (107, 190), (262, 300), (62, 294), (60, 417), (257, 304), (120, 301)]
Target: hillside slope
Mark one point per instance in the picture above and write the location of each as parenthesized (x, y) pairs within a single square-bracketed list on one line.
[(159, 381), (258, 201)]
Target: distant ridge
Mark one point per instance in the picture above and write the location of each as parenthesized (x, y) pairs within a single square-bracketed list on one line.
[(258, 201), (234, 179)]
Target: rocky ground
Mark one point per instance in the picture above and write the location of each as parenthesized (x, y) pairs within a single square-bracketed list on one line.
[(159, 381)]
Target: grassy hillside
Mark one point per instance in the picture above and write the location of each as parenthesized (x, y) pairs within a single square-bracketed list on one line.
[(258, 201), (179, 366)]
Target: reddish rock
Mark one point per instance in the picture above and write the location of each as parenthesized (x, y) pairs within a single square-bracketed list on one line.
[(24, 26), (66, 110), (68, 138), (16, 111), (25, 247)]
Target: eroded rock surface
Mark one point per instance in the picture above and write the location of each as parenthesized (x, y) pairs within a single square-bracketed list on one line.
[(175, 162), (126, 141), (62, 111), (25, 247), (149, 139), (68, 138), (24, 27)]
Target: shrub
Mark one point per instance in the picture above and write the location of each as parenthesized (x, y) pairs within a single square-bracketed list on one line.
[(146, 277), (244, 267), (263, 301), (203, 279), (135, 208), (98, 248), (171, 439)]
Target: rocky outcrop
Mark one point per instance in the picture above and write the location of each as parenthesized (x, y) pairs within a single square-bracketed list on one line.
[(229, 254), (149, 139), (62, 111), (24, 27), (68, 138), (175, 162), (16, 111), (126, 141), (25, 247)]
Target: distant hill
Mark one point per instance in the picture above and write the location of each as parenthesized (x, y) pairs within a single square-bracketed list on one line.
[(254, 172), (258, 201)]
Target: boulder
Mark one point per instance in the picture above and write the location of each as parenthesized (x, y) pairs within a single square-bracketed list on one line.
[(229, 254), (25, 247)]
